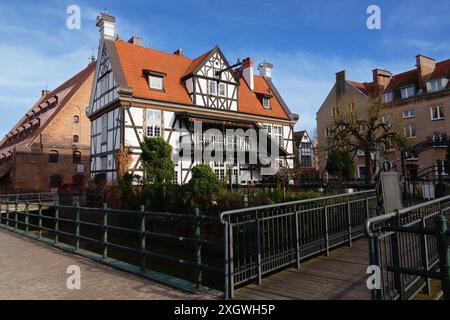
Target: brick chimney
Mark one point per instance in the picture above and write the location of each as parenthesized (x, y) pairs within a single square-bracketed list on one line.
[(107, 25), (381, 79), (425, 66), (265, 69), (135, 40), (247, 72), (179, 52), (340, 83), (44, 92)]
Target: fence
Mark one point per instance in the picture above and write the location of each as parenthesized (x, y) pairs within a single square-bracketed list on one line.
[(129, 240), (404, 245), (264, 239)]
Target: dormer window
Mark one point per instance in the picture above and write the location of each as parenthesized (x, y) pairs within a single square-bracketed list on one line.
[(388, 97), (437, 84), (155, 80), (212, 88), (266, 102), (408, 92)]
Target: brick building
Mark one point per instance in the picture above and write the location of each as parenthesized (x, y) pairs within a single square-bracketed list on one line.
[(49, 146), (416, 101)]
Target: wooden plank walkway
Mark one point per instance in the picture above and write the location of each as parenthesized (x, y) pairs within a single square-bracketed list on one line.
[(341, 276)]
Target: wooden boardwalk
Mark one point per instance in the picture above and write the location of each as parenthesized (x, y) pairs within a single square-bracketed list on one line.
[(341, 276)]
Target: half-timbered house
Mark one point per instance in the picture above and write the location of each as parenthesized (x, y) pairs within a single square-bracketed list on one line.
[(140, 92)]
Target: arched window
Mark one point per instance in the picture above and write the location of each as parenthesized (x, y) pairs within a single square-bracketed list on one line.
[(76, 139), (76, 157), (55, 181), (53, 157), (76, 119)]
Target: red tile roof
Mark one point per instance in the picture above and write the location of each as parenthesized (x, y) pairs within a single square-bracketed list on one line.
[(402, 80), (442, 70), (47, 106), (365, 87), (134, 59)]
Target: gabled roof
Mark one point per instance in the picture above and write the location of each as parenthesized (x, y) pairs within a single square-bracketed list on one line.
[(134, 59), (42, 112)]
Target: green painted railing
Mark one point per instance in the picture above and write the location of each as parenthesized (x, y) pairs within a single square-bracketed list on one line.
[(95, 232)]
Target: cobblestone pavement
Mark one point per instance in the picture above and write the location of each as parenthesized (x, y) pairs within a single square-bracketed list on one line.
[(33, 270)]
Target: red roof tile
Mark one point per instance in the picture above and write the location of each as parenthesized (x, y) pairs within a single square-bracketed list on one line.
[(134, 59), (402, 80)]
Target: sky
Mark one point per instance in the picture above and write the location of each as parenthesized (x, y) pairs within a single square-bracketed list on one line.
[(306, 41)]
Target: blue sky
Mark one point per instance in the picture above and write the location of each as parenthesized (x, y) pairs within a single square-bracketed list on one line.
[(308, 42)]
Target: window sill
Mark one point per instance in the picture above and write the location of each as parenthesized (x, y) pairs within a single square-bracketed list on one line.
[(438, 119)]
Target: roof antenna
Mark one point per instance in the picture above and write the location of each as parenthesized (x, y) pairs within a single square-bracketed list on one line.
[(92, 56)]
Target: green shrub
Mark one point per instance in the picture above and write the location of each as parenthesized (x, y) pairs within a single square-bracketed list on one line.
[(204, 187)]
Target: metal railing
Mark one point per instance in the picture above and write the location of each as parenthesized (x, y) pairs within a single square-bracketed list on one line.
[(124, 239), (264, 239), (31, 197), (407, 247)]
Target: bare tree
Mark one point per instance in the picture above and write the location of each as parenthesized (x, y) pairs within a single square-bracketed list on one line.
[(370, 134)]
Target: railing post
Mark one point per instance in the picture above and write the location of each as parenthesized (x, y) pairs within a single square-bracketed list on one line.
[(27, 217), (327, 236), (442, 235), (231, 261), (227, 262), (374, 261), (56, 221), (105, 231), (143, 238), (16, 214), (258, 248), (297, 238), (349, 220), (77, 226), (395, 245), (198, 247), (424, 258), (367, 207), (7, 213), (40, 219)]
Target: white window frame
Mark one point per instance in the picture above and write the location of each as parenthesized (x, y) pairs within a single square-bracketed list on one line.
[(360, 153), (440, 113), (405, 92), (387, 119), (409, 114), (266, 102), (224, 87), (104, 132), (435, 85), (408, 130), (153, 125), (359, 173), (388, 96), (278, 134), (212, 88), (155, 82)]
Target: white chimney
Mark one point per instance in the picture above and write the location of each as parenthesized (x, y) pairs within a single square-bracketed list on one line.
[(265, 69), (247, 73), (106, 24)]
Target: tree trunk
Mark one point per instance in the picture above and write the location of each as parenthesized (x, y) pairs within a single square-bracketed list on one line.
[(368, 163)]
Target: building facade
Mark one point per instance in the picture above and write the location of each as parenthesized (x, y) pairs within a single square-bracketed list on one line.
[(49, 146), (141, 92), (415, 101)]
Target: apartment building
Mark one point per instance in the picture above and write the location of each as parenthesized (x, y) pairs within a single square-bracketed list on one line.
[(416, 101)]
